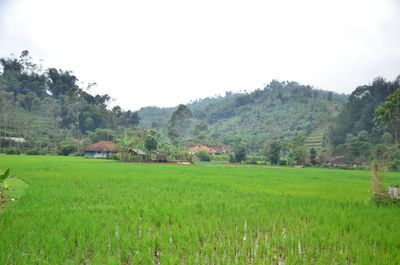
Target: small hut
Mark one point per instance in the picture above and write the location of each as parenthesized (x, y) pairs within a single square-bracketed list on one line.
[(101, 149), (138, 153), (161, 158)]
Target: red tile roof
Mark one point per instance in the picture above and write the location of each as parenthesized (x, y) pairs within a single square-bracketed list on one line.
[(102, 146), (197, 148)]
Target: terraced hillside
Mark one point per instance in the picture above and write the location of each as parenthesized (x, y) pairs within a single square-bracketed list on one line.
[(314, 140)]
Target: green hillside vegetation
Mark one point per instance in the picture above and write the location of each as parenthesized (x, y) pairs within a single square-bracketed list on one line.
[(48, 107), (280, 110), (359, 113), (368, 126)]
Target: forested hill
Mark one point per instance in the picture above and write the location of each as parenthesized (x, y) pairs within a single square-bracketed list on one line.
[(281, 109), (354, 131), (49, 107)]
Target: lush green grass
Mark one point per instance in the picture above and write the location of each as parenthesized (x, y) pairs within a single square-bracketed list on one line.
[(16, 190), (85, 211)]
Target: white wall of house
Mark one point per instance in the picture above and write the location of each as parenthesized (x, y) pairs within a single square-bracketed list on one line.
[(99, 154)]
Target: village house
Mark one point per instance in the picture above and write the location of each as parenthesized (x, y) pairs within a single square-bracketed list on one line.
[(216, 150), (15, 139), (195, 149), (101, 149)]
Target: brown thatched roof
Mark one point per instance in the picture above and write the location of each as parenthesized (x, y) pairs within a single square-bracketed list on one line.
[(137, 151), (102, 146)]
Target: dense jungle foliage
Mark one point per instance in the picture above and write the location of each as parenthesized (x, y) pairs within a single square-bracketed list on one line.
[(48, 108), (368, 125)]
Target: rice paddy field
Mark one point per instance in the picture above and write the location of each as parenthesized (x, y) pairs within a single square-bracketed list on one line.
[(71, 210)]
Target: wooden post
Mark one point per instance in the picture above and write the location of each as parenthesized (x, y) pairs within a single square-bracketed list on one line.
[(377, 177)]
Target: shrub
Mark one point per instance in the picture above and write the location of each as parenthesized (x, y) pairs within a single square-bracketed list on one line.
[(394, 165), (151, 143), (44, 151), (33, 152), (324, 165), (66, 148), (384, 201), (12, 151), (220, 158), (115, 157), (232, 158), (80, 153), (307, 164), (282, 162), (204, 156), (252, 161)]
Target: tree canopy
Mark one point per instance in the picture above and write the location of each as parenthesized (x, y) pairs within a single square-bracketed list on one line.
[(47, 106), (388, 114)]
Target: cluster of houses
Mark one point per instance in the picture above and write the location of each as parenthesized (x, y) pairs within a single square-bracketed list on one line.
[(104, 149), (341, 161), (217, 150)]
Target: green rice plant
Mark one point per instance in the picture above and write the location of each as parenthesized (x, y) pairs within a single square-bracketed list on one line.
[(85, 211)]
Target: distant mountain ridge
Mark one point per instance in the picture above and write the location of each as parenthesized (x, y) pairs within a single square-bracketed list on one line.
[(280, 109)]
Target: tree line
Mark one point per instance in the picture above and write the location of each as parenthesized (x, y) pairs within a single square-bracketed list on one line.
[(55, 114), (48, 106)]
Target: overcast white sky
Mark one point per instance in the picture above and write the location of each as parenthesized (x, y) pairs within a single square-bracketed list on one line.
[(157, 52)]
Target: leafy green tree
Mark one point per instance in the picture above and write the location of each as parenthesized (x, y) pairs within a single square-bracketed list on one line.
[(296, 156), (67, 147), (180, 122), (129, 119), (203, 155), (273, 152), (329, 96), (61, 83), (355, 146), (388, 114), (126, 143), (151, 143), (297, 150), (200, 130), (359, 113), (387, 138), (101, 135), (313, 156), (46, 107), (240, 154), (299, 140)]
